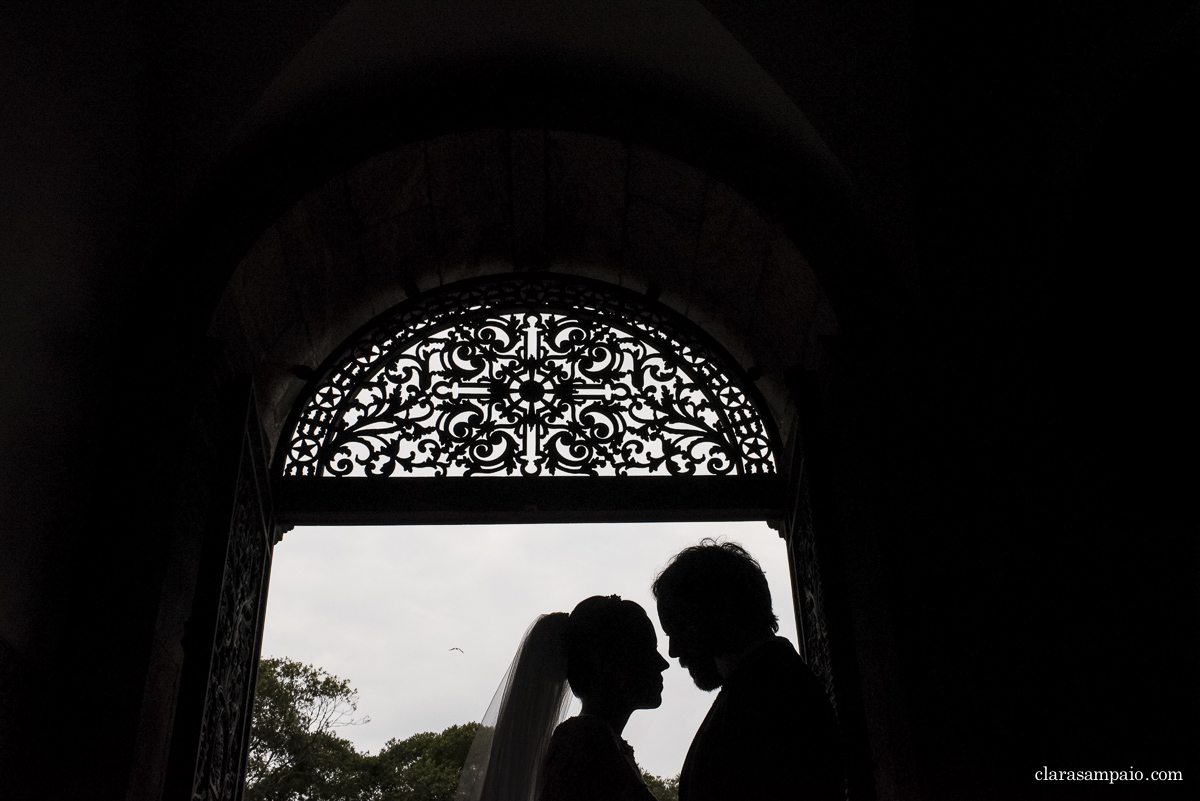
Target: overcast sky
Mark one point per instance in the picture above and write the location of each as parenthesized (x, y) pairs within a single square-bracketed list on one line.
[(383, 607)]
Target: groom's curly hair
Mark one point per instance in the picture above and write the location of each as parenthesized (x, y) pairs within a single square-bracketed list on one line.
[(715, 576)]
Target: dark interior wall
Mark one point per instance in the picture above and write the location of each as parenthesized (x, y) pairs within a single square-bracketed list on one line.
[(111, 111), (1027, 466), (1022, 467), (73, 199), (72, 150), (1049, 549), (1047, 557)]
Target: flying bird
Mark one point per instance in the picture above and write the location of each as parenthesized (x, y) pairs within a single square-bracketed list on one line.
[(461, 651)]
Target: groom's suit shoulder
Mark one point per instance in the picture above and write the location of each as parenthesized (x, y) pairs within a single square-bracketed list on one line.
[(774, 699), (770, 734)]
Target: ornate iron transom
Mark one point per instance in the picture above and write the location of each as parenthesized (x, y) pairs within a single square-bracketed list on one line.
[(532, 375)]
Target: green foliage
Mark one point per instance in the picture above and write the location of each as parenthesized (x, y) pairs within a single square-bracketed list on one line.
[(295, 755), (662, 789), (424, 767)]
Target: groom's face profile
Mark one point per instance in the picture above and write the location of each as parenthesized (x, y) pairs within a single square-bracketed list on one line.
[(691, 642)]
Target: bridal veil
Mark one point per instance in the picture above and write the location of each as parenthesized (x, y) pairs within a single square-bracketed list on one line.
[(505, 760)]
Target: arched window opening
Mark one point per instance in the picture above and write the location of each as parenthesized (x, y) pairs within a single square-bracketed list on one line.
[(526, 398), (579, 400), (529, 375)]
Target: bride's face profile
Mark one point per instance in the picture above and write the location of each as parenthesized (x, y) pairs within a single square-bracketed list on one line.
[(625, 665), (639, 666)]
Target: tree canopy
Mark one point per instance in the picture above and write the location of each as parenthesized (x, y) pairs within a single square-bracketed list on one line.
[(296, 753), (660, 788)]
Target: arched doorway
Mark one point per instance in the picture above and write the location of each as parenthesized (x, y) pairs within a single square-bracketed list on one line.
[(673, 276), (684, 176)]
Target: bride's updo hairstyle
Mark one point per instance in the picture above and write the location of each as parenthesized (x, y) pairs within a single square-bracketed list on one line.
[(598, 625)]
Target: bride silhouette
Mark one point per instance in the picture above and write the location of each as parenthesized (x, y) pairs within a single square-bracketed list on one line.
[(606, 652)]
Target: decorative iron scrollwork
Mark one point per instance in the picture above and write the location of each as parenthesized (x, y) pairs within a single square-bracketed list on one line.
[(812, 606), (529, 375), (225, 726)]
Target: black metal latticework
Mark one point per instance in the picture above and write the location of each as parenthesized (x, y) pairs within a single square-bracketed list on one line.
[(806, 574), (225, 634), (529, 375)]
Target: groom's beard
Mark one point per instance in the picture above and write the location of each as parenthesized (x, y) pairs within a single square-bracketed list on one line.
[(705, 674)]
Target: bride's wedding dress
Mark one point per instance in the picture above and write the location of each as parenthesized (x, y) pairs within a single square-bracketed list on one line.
[(588, 761)]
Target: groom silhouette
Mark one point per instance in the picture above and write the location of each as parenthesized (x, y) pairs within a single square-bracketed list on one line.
[(771, 732)]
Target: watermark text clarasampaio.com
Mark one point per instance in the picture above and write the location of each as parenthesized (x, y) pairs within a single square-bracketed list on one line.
[(1045, 774)]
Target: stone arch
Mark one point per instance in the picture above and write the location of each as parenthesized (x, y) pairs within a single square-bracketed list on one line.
[(500, 201), (667, 164), (496, 201)]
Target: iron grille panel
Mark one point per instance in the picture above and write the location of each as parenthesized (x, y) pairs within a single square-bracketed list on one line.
[(529, 375)]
